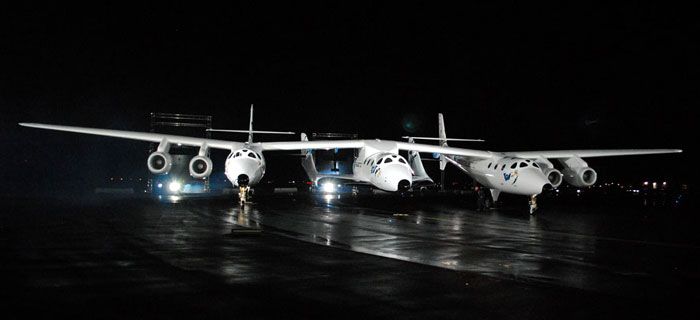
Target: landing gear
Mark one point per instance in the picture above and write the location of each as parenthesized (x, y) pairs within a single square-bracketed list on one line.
[(243, 195), (533, 204)]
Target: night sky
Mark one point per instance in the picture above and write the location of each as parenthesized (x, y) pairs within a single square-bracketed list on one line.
[(521, 77)]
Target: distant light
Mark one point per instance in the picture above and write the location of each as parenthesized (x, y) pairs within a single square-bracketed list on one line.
[(328, 187), (664, 183), (160, 185), (646, 183), (653, 185), (174, 186), (578, 190)]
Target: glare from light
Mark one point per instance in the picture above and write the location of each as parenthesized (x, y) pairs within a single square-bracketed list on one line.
[(160, 185), (174, 186), (328, 187)]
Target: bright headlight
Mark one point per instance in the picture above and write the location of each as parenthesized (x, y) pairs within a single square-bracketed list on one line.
[(328, 187), (174, 186)]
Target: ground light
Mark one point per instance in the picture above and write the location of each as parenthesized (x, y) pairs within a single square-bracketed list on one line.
[(328, 187), (174, 186)]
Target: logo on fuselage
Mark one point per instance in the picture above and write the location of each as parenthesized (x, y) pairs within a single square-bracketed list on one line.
[(508, 176)]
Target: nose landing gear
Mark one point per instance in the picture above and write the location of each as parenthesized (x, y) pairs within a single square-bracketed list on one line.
[(243, 189), (243, 195)]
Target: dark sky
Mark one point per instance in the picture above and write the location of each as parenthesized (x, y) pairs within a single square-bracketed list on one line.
[(522, 77)]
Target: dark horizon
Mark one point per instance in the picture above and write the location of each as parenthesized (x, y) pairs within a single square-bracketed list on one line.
[(521, 77)]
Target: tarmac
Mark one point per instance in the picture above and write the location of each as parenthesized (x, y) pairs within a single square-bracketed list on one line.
[(328, 257)]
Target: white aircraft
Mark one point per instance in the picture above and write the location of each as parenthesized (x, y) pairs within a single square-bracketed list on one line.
[(378, 163), (528, 172), (245, 164)]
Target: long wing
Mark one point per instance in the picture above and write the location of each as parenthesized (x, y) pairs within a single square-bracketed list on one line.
[(143, 136), (553, 154), (312, 145), (354, 144)]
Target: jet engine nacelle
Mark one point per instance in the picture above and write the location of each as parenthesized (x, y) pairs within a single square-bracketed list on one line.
[(580, 177), (160, 162), (200, 167), (554, 176)]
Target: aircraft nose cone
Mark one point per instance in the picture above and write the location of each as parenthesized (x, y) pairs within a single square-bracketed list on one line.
[(243, 180), (404, 185)]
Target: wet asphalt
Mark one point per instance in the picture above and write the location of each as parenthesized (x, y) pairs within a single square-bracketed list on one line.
[(323, 257)]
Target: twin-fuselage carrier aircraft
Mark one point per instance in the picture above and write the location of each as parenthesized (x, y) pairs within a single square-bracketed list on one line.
[(378, 163)]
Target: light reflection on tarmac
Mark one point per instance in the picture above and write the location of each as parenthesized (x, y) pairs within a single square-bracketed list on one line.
[(554, 247)]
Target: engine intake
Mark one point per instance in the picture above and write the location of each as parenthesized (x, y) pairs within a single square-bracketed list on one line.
[(554, 176), (200, 167), (160, 162), (580, 177)]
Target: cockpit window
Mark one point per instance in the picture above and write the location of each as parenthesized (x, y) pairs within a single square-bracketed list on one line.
[(380, 161), (387, 160), (238, 154), (512, 166), (523, 164), (503, 167), (535, 165), (489, 166), (402, 160)]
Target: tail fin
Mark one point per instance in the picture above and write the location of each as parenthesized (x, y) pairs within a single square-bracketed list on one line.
[(443, 140), (308, 162), (250, 127), (416, 164), (441, 130), (304, 137)]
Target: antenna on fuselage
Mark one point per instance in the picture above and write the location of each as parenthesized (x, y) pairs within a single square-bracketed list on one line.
[(250, 127)]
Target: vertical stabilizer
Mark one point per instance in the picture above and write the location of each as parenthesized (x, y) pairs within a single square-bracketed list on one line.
[(308, 162), (250, 126), (416, 164), (441, 130), (443, 140)]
